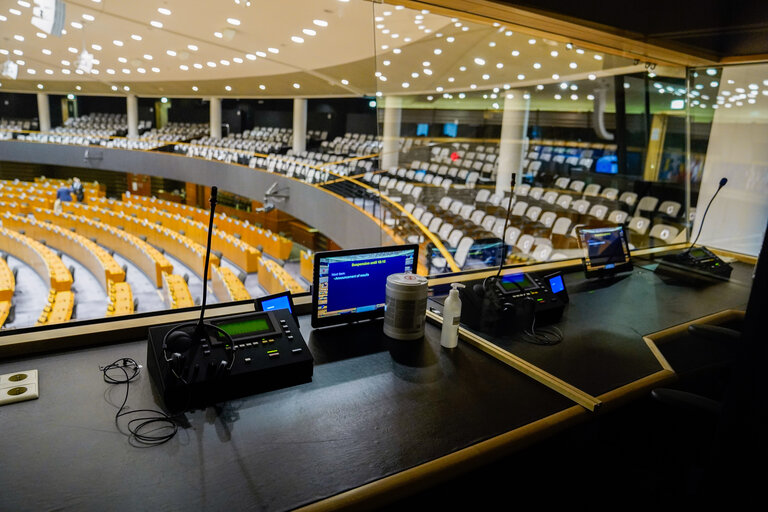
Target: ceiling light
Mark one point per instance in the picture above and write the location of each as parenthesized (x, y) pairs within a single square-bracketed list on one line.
[(499, 65), (573, 65), (492, 44), (3, 18), (147, 56), (479, 61), (486, 77), (531, 41), (66, 71), (184, 67), (555, 76), (155, 70), (228, 87), (598, 57), (18, 37), (273, 50), (521, 76), (192, 47), (233, 21), (427, 71), (309, 32), (172, 53), (194, 88), (76, 24), (515, 53), (156, 24), (438, 51), (211, 64), (557, 97), (397, 51), (715, 83), (126, 71), (48, 71), (218, 34), (536, 65), (117, 42), (540, 87), (122, 59), (238, 60), (564, 85), (224, 62), (386, 63), (345, 82), (136, 37), (197, 65), (591, 76), (297, 39), (18, 52), (46, 51), (15, 11), (450, 39), (110, 71), (96, 47), (262, 87), (405, 85), (126, 88), (114, 87), (250, 56), (711, 71), (31, 71), (260, 54), (72, 49), (296, 86), (414, 75), (320, 23), (141, 70), (451, 79), (41, 35), (39, 86), (574, 97)]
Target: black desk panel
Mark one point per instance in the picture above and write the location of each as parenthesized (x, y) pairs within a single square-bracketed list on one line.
[(368, 413)]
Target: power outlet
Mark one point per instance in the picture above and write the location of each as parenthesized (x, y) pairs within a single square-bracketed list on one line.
[(18, 387)]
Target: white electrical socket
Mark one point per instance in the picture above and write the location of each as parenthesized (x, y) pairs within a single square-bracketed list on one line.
[(18, 387)]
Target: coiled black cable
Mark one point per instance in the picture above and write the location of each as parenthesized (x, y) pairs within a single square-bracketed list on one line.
[(154, 429)]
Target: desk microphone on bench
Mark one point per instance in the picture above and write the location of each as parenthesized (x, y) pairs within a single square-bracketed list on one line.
[(723, 181)]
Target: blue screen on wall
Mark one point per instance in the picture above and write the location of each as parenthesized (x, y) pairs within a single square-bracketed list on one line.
[(422, 130), (450, 129)]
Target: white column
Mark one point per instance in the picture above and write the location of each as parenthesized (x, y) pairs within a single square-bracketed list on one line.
[(390, 151), (215, 117), (299, 125), (132, 105), (514, 127), (43, 112)]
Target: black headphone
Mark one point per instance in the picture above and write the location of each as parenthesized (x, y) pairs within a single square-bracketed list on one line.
[(177, 342)]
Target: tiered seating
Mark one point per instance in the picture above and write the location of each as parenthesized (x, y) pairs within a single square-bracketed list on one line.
[(92, 256), (240, 253), (17, 124), (120, 299), (7, 289), (306, 263), (59, 308), (274, 278), (148, 259), (176, 292), (271, 243), (355, 144), (227, 286), (181, 247)]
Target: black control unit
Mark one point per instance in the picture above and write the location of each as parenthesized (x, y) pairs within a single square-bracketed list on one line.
[(260, 351), (698, 266)]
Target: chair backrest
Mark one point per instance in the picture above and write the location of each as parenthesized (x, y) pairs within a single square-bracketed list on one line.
[(598, 211), (561, 226), (408, 207), (455, 237), (524, 244), (462, 251), (549, 197), (639, 225), (437, 181), (618, 217), (488, 222), (533, 212), (445, 230), (671, 208), (591, 190), (547, 219), (495, 199), (522, 190), (445, 203), (628, 197), (466, 211), (664, 233), (511, 236), (434, 224), (536, 193), (610, 193), (564, 201), (576, 185), (580, 205), (477, 217), (562, 182), (647, 204), (542, 252), (426, 218), (456, 206), (482, 196), (519, 209), (418, 212), (416, 193), (407, 188)]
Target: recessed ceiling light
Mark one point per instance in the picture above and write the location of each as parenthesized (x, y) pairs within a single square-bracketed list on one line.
[(574, 97), (251, 56), (487, 76), (65, 71), (147, 56), (72, 49), (48, 71), (172, 53), (261, 54), (122, 59), (18, 52), (126, 88), (110, 71), (296, 86), (297, 39), (515, 53), (450, 39), (184, 67), (24, 3), (238, 60), (397, 51), (414, 75), (521, 76), (438, 51), (15, 11), (320, 23), (531, 41), (192, 47), (197, 65), (228, 87), (224, 62), (156, 24), (39, 86), (309, 32), (598, 57), (126, 71), (262, 87), (211, 64), (233, 21), (31, 71), (573, 65), (427, 71), (18, 37), (117, 42), (499, 65), (41, 35), (194, 88), (273, 50), (46, 51), (164, 11), (136, 37), (76, 24), (88, 17), (96, 47), (345, 82), (479, 61), (405, 85), (218, 34), (155, 70), (141, 70), (592, 76), (114, 87)]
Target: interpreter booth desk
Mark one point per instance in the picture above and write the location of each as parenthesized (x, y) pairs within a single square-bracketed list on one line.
[(379, 418)]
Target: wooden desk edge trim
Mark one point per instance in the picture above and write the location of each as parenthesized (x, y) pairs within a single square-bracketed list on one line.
[(567, 390), (412, 480)]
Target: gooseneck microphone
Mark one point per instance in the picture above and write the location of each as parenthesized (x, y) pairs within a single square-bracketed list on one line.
[(200, 329), (723, 181), (506, 222)]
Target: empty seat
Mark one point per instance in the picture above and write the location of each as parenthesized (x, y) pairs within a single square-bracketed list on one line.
[(592, 190), (488, 223), (662, 234), (646, 206)]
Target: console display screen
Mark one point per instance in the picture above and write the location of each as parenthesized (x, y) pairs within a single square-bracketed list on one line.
[(517, 283), (350, 285), (248, 326), (606, 250)]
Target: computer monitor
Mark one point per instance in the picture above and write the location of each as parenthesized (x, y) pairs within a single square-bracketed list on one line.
[(350, 285), (282, 300), (607, 165), (606, 250)]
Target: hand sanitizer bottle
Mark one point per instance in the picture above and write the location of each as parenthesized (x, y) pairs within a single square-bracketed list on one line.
[(449, 337)]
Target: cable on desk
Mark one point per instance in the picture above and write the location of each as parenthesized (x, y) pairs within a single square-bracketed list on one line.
[(154, 429)]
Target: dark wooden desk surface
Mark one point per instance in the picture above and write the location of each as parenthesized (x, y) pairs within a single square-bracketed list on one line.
[(374, 408)]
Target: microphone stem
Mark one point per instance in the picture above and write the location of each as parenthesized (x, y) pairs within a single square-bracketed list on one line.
[(706, 210), (200, 327)]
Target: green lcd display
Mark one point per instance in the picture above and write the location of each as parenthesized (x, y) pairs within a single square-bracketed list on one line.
[(251, 326)]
